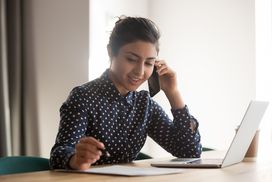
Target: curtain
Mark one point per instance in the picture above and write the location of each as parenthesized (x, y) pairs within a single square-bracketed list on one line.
[(5, 147), (12, 131)]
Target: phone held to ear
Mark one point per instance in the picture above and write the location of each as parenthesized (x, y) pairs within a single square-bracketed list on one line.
[(154, 83)]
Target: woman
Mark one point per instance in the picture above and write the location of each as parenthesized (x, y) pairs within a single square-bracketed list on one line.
[(108, 113)]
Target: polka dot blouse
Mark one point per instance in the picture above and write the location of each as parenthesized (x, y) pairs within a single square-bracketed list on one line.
[(122, 123)]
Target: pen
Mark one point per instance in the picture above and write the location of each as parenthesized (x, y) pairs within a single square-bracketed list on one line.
[(105, 152)]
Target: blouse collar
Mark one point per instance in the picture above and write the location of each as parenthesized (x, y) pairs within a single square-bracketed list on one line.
[(110, 90)]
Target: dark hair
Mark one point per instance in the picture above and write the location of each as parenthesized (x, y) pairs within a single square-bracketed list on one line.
[(132, 29)]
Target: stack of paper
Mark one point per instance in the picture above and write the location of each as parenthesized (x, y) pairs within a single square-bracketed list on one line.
[(127, 170)]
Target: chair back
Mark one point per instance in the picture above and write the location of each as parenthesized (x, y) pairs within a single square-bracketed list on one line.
[(22, 164)]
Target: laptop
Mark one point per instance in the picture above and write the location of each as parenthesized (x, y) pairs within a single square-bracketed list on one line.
[(238, 147)]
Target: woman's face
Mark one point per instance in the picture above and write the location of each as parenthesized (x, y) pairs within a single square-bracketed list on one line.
[(132, 66)]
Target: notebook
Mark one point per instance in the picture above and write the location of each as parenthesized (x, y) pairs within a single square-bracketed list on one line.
[(238, 147)]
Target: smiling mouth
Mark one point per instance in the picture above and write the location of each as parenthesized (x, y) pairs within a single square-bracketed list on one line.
[(135, 81)]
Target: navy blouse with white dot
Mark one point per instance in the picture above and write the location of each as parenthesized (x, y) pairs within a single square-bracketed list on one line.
[(122, 123)]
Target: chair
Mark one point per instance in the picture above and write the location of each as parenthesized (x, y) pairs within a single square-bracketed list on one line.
[(22, 164), (206, 149), (142, 156)]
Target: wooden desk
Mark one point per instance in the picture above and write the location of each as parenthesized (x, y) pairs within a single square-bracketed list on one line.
[(242, 172)]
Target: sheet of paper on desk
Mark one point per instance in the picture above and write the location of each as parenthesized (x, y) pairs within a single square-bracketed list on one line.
[(128, 170)]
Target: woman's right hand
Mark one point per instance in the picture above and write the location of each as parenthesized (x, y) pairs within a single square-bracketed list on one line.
[(87, 152)]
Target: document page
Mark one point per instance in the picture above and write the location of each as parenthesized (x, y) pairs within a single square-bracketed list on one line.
[(127, 170)]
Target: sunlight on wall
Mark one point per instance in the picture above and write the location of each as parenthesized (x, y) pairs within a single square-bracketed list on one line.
[(99, 32), (263, 15), (103, 15)]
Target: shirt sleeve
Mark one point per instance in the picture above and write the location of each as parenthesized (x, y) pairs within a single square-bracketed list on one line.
[(73, 125), (179, 137)]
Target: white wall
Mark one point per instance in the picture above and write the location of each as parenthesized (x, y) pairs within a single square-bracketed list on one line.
[(211, 45), (103, 15), (56, 48), (263, 14)]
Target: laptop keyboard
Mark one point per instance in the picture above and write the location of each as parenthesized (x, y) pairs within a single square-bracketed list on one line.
[(185, 160)]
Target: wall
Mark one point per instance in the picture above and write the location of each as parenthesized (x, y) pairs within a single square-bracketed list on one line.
[(211, 45), (103, 15), (263, 16), (56, 47)]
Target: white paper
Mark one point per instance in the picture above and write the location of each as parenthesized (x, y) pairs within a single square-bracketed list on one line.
[(128, 170)]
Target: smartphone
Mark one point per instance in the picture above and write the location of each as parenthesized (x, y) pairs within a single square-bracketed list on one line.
[(154, 83)]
